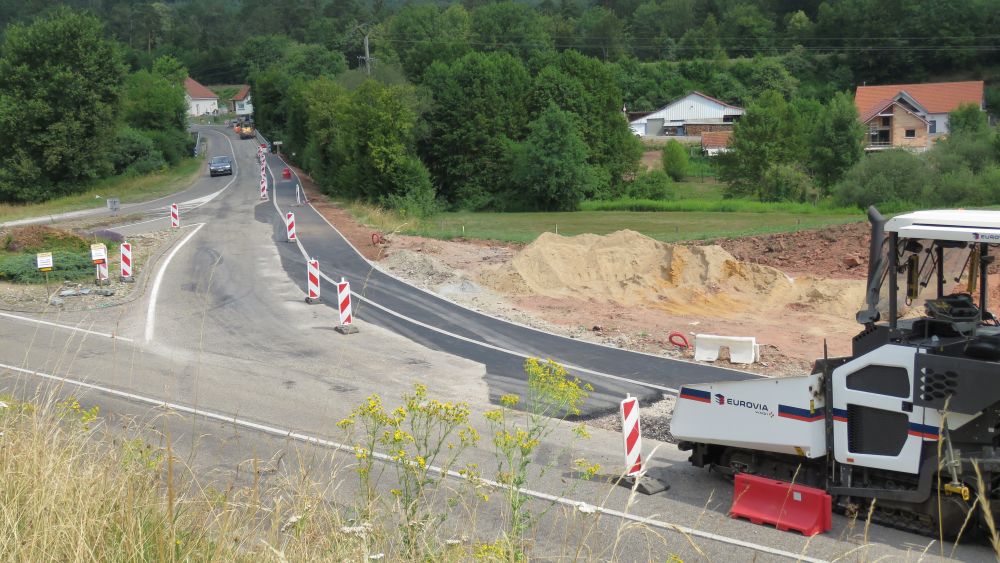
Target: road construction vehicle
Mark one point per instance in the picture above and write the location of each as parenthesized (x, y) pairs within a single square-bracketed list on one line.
[(244, 128), (911, 419)]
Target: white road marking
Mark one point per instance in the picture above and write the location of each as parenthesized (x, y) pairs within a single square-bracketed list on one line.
[(151, 312), (192, 204), (298, 242), (67, 327), (298, 436)]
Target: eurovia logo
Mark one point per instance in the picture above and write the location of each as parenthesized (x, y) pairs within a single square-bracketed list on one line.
[(759, 408), (985, 236)]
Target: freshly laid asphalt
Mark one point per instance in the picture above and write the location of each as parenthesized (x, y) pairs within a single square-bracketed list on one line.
[(501, 346)]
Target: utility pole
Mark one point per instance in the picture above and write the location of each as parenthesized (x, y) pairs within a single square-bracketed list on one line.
[(367, 57)]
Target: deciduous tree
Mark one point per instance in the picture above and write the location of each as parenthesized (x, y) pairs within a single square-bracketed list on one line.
[(60, 88)]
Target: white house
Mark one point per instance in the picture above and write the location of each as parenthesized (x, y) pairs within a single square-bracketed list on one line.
[(200, 100), (693, 114), (241, 103)]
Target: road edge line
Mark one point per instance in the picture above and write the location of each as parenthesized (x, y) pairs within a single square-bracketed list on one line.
[(154, 292), (301, 437)]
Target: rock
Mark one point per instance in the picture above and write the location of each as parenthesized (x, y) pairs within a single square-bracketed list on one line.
[(85, 291), (597, 328), (68, 293), (56, 301), (105, 292), (851, 261)]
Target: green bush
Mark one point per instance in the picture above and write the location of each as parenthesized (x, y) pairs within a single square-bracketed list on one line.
[(134, 152), (654, 184), (22, 268), (786, 182), (174, 145), (675, 160), (956, 187), (894, 176), (418, 199)]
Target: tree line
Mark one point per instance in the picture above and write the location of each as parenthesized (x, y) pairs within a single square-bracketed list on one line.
[(483, 105), (71, 112)]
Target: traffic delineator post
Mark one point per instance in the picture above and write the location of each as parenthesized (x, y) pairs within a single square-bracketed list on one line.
[(102, 273), (175, 216), (632, 436), (635, 475), (298, 194), (312, 281), (125, 251), (344, 306), (290, 226), (263, 188)]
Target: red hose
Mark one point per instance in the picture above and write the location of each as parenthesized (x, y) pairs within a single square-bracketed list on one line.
[(683, 340)]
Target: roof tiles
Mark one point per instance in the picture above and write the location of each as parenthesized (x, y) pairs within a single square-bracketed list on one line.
[(197, 91), (938, 97)]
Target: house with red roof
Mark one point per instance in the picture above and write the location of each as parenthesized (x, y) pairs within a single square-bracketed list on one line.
[(911, 115), (200, 100), (241, 103), (715, 142), (693, 114)]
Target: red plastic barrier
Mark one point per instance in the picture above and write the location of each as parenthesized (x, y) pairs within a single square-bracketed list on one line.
[(286, 174), (785, 505)]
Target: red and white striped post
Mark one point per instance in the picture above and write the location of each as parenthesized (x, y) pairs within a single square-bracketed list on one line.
[(290, 226), (175, 216), (344, 305), (632, 435), (263, 188), (312, 275), (126, 262), (102, 273)]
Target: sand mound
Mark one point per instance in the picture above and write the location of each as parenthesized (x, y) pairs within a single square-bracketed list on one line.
[(632, 269)]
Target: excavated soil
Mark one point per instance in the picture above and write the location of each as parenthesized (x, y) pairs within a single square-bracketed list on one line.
[(791, 291)]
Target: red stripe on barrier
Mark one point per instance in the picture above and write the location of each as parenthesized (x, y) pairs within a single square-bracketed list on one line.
[(627, 407)]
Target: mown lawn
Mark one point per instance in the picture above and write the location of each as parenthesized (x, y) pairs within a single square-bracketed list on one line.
[(127, 189), (661, 225)]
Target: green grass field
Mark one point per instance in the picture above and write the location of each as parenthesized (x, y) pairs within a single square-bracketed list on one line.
[(127, 189), (661, 225)]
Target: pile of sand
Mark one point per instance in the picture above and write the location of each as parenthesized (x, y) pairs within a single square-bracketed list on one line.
[(632, 269)]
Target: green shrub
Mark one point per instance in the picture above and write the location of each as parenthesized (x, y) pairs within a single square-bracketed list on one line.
[(654, 184), (675, 160), (129, 146), (174, 145), (786, 182), (894, 176), (22, 268)]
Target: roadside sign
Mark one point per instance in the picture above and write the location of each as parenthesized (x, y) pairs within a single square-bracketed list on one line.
[(98, 253), (114, 204), (44, 260)]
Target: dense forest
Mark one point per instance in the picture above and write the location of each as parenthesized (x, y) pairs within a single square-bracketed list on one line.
[(517, 105)]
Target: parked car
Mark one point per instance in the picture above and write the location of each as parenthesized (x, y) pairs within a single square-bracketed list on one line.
[(220, 166)]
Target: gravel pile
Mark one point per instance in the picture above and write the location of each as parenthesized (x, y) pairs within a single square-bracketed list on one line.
[(654, 420)]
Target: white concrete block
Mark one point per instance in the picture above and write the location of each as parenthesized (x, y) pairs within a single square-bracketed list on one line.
[(742, 349)]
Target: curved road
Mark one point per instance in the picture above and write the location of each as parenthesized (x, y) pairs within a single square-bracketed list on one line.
[(443, 325), (233, 338)]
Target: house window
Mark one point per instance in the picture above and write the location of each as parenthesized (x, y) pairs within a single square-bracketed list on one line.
[(886, 122), (933, 126), (911, 134)]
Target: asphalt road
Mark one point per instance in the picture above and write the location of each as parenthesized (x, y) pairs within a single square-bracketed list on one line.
[(224, 329), (440, 324)]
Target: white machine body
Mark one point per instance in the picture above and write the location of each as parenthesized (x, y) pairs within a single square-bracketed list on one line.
[(777, 415)]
